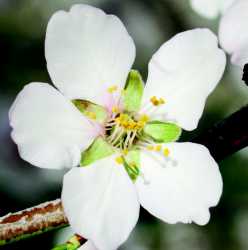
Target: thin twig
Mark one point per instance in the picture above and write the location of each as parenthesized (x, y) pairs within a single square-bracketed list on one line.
[(223, 139), (33, 221)]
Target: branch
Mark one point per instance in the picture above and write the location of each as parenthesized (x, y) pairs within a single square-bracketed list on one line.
[(33, 221), (226, 137), (223, 139), (245, 74)]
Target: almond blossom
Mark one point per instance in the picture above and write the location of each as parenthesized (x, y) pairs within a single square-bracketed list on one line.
[(233, 24), (121, 132), (210, 8), (232, 32)]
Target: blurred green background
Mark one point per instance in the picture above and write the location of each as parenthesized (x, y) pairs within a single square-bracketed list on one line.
[(150, 23)]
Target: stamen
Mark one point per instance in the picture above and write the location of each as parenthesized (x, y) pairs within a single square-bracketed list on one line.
[(158, 148), (124, 151), (115, 109), (127, 139), (146, 181), (150, 147), (156, 157), (156, 102), (114, 134), (144, 118), (162, 101), (132, 138), (124, 129), (119, 160), (166, 152), (118, 137), (112, 89)]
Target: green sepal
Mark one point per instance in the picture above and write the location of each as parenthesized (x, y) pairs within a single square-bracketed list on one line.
[(72, 244), (162, 131), (132, 164), (85, 107), (99, 149), (66, 246), (133, 91)]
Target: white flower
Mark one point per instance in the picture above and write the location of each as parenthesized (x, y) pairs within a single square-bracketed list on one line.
[(233, 25), (123, 140), (210, 8), (233, 33)]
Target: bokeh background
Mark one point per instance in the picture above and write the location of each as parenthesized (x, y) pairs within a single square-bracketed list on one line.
[(150, 23)]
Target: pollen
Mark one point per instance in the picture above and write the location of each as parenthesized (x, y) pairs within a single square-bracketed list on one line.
[(125, 152), (150, 147), (156, 102), (158, 148), (119, 160), (115, 109), (162, 101), (125, 121), (112, 89), (144, 118), (140, 125), (166, 152)]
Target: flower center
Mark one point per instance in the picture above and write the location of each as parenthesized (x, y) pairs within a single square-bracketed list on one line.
[(123, 130)]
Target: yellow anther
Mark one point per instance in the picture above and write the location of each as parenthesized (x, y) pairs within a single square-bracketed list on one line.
[(140, 125), (125, 124), (91, 115), (161, 101), (158, 148), (119, 160), (112, 89), (150, 147), (132, 165), (123, 117), (115, 109), (166, 152), (124, 151), (154, 101), (144, 118), (132, 124)]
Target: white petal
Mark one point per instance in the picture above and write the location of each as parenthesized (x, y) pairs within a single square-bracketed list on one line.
[(49, 131), (184, 71), (87, 51), (101, 203), (206, 8), (233, 32), (88, 245), (210, 8), (182, 188)]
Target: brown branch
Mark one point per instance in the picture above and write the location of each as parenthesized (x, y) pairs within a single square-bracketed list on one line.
[(227, 136), (33, 221)]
